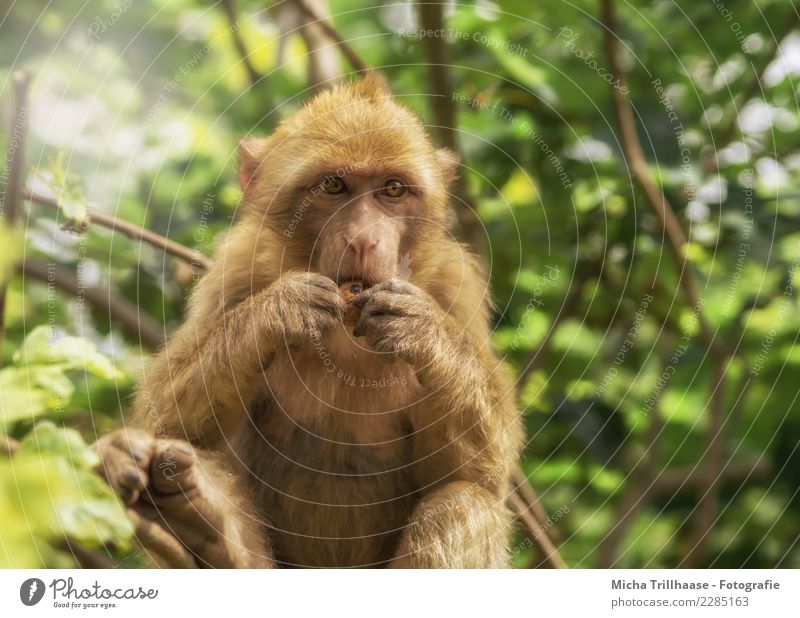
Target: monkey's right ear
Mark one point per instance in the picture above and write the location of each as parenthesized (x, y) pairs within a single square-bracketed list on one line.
[(250, 154), (449, 163)]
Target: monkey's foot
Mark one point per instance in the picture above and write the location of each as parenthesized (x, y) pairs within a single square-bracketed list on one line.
[(165, 485)]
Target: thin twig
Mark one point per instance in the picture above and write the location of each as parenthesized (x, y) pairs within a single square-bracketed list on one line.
[(348, 52), (190, 256), (567, 310), (8, 445), (537, 534), (524, 490), (670, 482), (238, 41), (15, 159), (118, 309)]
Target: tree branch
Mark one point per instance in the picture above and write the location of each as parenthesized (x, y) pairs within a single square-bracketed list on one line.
[(536, 532), (670, 482), (117, 308), (712, 463), (190, 256), (15, 159), (675, 236), (524, 490), (444, 112), (324, 68), (348, 52), (238, 42)]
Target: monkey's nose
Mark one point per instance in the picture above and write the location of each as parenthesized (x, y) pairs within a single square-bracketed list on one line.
[(362, 246)]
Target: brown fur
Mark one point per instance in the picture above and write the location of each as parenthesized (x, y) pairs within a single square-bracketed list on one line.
[(353, 462)]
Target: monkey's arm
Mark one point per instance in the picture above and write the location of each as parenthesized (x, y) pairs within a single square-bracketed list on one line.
[(467, 431), (465, 445), (201, 385)]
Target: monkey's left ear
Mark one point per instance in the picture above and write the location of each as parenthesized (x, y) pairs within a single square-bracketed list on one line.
[(449, 163), (250, 153)]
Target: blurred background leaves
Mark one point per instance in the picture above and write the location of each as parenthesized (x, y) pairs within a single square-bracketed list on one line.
[(135, 111)]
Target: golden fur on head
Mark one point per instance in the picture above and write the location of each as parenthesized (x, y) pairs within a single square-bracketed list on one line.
[(352, 127)]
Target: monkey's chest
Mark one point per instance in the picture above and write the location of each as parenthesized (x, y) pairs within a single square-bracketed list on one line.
[(333, 455), (340, 391)]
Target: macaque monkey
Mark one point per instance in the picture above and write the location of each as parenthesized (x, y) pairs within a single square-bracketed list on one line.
[(273, 429)]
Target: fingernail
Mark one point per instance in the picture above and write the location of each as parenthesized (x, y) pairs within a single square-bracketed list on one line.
[(131, 477)]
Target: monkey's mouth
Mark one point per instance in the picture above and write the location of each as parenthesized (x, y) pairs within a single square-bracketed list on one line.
[(364, 283)]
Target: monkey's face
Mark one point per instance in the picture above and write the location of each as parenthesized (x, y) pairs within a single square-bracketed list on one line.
[(349, 183), (361, 223)]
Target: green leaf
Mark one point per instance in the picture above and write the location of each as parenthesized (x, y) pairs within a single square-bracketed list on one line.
[(21, 398), (48, 492), (47, 439), (68, 190), (527, 74), (71, 353)]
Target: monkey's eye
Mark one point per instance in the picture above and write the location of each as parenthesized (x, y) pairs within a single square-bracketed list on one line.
[(394, 188), (333, 185)]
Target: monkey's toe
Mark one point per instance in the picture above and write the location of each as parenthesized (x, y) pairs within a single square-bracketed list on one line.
[(124, 457), (171, 470)]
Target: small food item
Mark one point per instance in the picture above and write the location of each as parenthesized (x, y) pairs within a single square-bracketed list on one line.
[(349, 290)]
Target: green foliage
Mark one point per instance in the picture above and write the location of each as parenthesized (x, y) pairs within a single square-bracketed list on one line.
[(49, 492), (38, 381), (147, 131)]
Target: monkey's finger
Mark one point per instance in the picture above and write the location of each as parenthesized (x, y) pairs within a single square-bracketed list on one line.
[(322, 282), (161, 546), (396, 286), (371, 322), (331, 303), (124, 456), (137, 442), (376, 324), (172, 469), (384, 286), (120, 471), (388, 303)]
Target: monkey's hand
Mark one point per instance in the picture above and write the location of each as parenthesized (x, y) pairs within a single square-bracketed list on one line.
[(181, 514), (399, 320), (304, 306)]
